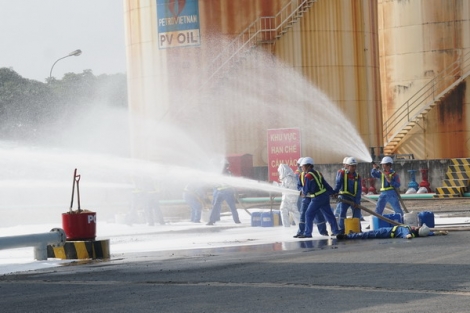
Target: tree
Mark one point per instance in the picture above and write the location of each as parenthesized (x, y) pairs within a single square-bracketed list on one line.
[(29, 108)]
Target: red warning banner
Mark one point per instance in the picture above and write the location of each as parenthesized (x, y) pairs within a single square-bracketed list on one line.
[(284, 146)]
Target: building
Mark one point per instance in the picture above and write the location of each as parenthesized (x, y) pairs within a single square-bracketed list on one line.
[(356, 76)]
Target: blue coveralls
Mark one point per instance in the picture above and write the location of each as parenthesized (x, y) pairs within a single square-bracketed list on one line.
[(338, 206), (348, 185), (194, 196), (152, 205), (318, 190), (387, 191), (319, 219), (384, 232), (223, 193)]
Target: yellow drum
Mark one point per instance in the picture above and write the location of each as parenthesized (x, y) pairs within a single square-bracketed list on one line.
[(352, 225)]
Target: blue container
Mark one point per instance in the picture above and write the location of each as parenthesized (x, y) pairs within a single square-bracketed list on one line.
[(394, 217), (256, 219), (426, 217), (267, 219), (378, 223)]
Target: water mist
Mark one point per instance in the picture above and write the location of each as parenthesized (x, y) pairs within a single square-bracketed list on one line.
[(183, 144)]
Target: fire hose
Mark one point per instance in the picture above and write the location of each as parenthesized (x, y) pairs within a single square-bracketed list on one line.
[(438, 231), (383, 218)]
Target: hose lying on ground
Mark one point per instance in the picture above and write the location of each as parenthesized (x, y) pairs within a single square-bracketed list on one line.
[(436, 230)]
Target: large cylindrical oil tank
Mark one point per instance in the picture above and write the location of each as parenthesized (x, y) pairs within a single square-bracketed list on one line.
[(421, 41), (331, 44), (164, 81), (335, 46)]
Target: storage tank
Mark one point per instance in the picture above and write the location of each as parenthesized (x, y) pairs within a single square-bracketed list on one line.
[(179, 75), (335, 46), (424, 48)]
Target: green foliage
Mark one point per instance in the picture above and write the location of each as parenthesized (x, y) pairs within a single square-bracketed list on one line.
[(27, 106)]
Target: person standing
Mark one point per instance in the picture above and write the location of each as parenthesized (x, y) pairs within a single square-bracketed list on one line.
[(318, 190), (389, 182), (153, 210), (288, 206), (223, 193), (338, 174), (319, 219), (348, 185), (194, 196)]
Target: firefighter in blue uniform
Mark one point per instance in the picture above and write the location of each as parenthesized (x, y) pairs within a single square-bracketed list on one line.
[(223, 193), (389, 181), (194, 195), (304, 202), (153, 211), (338, 174), (400, 231), (348, 186), (318, 190)]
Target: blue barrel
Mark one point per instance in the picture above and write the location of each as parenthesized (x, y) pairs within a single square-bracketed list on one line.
[(397, 217), (426, 217), (267, 219), (256, 219), (378, 223)]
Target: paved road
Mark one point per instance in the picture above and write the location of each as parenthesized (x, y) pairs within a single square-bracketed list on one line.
[(388, 275)]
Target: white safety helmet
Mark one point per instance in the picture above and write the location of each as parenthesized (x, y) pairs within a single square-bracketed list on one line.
[(306, 160), (351, 161), (299, 161), (424, 230), (386, 160), (345, 160)]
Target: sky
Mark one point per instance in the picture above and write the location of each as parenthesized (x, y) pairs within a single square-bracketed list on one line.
[(37, 33)]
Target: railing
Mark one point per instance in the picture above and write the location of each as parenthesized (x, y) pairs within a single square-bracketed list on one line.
[(56, 237), (274, 26), (265, 29), (425, 97)]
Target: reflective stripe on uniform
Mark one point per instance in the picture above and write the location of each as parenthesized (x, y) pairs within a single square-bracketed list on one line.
[(319, 184), (383, 182), (345, 190), (394, 230)]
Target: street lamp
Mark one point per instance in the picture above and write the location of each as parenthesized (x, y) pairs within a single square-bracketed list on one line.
[(73, 53)]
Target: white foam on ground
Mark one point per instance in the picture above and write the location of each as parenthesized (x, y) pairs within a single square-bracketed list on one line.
[(138, 238)]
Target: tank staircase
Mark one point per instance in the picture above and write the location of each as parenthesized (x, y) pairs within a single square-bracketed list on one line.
[(415, 109), (456, 181), (264, 30)]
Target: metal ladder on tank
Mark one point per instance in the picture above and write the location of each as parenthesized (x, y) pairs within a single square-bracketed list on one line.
[(264, 30), (403, 120)]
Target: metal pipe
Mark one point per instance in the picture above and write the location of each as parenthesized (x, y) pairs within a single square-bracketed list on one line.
[(56, 238), (412, 196)]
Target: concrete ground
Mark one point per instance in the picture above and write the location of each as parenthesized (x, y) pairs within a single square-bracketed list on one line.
[(382, 275)]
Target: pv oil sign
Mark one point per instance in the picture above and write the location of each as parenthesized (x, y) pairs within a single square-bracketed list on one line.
[(178, 23)]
